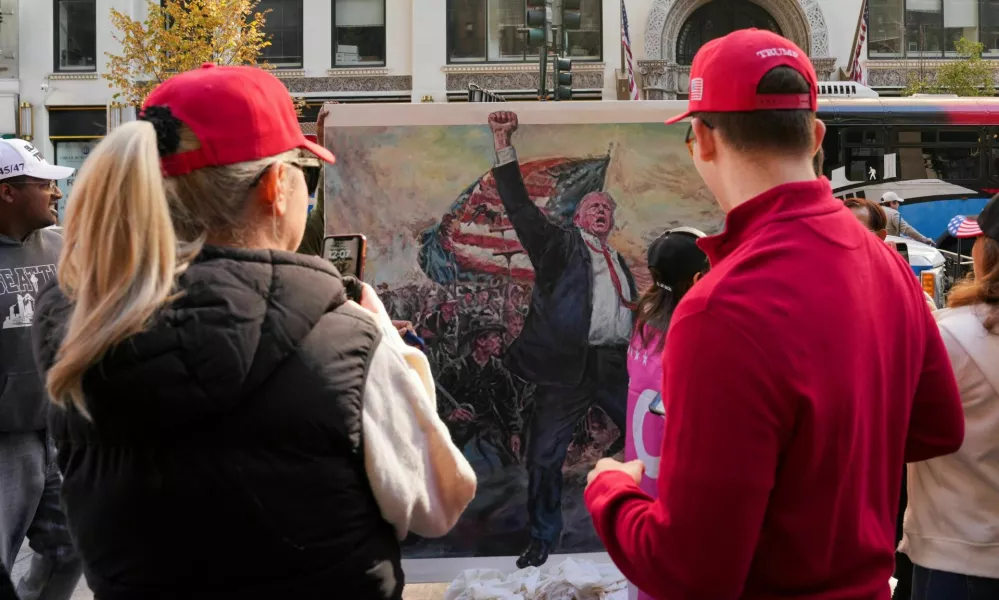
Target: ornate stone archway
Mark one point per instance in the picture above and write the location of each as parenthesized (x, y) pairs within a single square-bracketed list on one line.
[(662, 78)]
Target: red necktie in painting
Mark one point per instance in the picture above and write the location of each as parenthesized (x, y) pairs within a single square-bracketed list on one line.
[(613, 274)]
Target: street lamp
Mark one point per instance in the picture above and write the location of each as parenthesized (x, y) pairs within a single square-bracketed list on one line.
[(26, 121)]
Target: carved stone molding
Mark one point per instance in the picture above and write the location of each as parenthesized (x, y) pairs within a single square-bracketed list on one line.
[(288, 73), (586, 76), (824, 67), (349, 83), (896, 73), (663, 80), (800, 20), (73, 76), (357, 71), (659, 79)]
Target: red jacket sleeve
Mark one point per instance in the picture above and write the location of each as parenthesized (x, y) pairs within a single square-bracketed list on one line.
[(936, 426), (725, 428)]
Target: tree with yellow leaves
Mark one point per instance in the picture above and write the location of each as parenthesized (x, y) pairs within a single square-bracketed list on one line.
[(180, 35)]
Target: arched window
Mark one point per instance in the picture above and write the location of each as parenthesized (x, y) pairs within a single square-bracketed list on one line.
[(716, 19)]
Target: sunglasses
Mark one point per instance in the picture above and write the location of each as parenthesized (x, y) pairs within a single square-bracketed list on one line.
[(294, 163), (48, 186), (690, 139)]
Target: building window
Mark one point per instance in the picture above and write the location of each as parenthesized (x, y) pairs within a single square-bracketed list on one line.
[(70, 154), (283, 25), (717, 19), (486, 31), (75, 35), (931, 28), (358, 33), (990, 28)]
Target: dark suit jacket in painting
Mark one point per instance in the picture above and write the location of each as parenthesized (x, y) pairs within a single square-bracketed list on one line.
[(551, 349)]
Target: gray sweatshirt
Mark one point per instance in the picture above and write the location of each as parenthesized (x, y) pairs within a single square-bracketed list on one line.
[(25, 266), (899, 228)]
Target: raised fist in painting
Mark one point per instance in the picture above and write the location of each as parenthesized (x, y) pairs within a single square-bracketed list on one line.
[(502, 124)]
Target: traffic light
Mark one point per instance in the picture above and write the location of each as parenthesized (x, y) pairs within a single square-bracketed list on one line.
[(562, 79), (539, 24), (572, 19)]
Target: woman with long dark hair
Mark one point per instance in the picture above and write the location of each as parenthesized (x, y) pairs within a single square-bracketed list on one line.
[(675, 264)]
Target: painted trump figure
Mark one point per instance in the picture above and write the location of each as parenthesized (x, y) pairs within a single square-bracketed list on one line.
[(575, 338)]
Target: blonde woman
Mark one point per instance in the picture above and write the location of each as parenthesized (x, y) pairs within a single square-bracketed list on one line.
[(952, 521), (229, 424)]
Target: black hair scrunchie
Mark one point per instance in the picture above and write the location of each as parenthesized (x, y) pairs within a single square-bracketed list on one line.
[(167, 128)]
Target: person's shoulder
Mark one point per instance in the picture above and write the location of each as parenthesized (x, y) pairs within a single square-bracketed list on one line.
[(962, 320), (51, 236), (52, 311)]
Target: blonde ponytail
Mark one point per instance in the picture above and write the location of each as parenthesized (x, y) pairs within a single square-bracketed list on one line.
[(120, 257)]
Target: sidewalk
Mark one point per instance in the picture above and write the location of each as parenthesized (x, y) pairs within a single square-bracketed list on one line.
[(415, 591)]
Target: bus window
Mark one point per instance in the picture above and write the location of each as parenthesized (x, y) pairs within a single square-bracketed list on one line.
[(864, 164), (993, 160), (961, 136), (966, 135), (831, 149), (948, 164), (867, 137), (863, 153)]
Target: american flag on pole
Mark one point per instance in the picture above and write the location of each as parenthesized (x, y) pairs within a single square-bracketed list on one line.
[(857, 70), (626, 43), (963, 227)]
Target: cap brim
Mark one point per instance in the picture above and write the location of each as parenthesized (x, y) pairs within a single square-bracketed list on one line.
[(678, 118), (323, 154), (50, 172)]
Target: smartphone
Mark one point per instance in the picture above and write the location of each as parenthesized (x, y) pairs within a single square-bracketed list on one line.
[(903, 249), (346, 252), (656, 406)]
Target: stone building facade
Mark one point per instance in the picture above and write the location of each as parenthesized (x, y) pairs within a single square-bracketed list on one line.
[(53, 52)]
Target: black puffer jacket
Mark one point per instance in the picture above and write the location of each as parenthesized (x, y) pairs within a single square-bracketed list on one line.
[(225, 457)]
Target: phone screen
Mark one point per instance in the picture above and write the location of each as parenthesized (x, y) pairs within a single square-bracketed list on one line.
[(903, 249), (346, 252), (656, 406)]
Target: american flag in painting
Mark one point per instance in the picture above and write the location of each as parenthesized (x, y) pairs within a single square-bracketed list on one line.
[(475, 240), (858, 70), (626, 42)]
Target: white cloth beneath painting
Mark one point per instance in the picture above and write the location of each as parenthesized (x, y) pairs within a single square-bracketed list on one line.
[(567, 580)]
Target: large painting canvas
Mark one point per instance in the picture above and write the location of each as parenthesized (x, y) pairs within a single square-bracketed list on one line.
[(503, 280)]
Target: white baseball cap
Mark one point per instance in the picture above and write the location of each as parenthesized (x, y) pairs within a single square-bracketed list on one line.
[(890, 197), (18, 157)]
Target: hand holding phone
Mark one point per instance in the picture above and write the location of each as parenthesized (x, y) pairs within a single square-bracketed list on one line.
[(347, 253)]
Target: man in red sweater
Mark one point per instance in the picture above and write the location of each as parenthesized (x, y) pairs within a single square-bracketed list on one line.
[(799, 374)]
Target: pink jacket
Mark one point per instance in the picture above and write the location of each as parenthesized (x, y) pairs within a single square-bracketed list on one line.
[(645, 429)]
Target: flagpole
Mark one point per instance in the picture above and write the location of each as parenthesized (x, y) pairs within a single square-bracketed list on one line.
[(856, 37), (621, 43)]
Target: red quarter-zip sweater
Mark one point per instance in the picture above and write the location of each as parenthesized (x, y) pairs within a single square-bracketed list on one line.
[(799, 374)]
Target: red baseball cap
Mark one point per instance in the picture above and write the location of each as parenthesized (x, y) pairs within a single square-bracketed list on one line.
[(238, 114), (727, 71)]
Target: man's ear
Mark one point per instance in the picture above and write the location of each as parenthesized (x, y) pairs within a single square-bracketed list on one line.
[(270, 195), (706, 144), (820, 134), (697, 277), (883, 234)]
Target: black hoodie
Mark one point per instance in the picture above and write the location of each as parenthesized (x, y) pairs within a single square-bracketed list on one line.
[(25, 267), (225, 459)]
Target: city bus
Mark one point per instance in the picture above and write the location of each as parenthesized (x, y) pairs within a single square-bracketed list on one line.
[(940, 154)]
